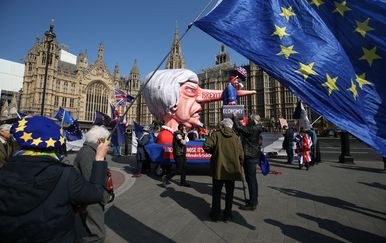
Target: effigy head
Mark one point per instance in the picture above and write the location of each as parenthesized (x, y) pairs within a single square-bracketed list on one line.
[(174, 95)]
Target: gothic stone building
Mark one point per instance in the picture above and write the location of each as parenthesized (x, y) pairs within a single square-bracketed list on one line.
[(272, 100), (78, 87)]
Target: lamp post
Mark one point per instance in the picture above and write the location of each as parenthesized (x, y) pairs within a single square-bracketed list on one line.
[(50, 35)]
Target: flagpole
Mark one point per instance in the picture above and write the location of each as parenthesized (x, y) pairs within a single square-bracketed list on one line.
[(159, 65), (151, 76), (316, 120)]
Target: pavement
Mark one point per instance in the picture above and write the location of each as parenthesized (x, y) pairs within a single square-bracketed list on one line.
[(331, 202)]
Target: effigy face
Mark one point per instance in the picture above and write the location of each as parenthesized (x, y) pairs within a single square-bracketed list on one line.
[(188, 110)]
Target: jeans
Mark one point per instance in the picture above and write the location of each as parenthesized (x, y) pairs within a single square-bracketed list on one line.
[(250, 176), (117, 150), (216, 197)]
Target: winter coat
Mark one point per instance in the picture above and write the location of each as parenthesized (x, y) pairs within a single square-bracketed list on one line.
[(37, 195), (141, 153), (250, 138), (288, 138), (83, 162), (227, 154), (6, 151)]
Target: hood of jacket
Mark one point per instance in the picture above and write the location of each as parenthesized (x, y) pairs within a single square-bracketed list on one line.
[(227, 132), (26, 181)]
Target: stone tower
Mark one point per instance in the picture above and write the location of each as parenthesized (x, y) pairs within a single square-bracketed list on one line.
[(175, 59), (34, 73), (223, 56)]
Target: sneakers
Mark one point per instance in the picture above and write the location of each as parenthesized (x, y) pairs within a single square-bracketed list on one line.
[(247, 207), (135, 175)]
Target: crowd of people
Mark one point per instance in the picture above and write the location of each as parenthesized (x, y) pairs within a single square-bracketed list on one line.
[(45, 200)]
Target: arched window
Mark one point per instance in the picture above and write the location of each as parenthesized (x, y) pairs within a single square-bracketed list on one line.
[(97, 98), (44, 58)]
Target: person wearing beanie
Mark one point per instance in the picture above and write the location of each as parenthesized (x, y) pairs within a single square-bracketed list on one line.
[(38, 193)]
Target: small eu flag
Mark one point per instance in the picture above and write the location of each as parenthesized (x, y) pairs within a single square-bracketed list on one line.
[(64, 115), (331, 54)]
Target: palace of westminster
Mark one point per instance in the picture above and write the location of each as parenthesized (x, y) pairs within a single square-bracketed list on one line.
[(83, 87)]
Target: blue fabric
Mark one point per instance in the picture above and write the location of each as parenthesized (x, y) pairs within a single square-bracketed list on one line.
[(138, 129), (73, 132), (332, 56), (67, 116), (157, 155), (37, 132), (264, 164), (102, 119), (118, 137)]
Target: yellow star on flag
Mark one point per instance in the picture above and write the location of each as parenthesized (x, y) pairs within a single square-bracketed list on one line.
[(317, 3), (287, 12), (369, 55), (330, 84), (20, 128), (22, 122), (286, 51), (26, 136), (50, 143), (361, 80), (353, 90), (37, 141), (306, 70), (362, 28), (61, 140), (280, 32), (341, 8)]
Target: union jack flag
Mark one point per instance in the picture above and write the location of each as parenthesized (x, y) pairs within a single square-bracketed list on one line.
[(242, 71), (122, 98)]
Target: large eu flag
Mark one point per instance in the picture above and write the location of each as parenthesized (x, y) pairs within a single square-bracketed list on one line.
[(331, 54)]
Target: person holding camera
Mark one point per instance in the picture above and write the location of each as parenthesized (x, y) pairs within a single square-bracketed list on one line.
[(92, 216)]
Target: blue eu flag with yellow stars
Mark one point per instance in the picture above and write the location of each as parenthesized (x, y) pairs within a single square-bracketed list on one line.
[(331, 54)]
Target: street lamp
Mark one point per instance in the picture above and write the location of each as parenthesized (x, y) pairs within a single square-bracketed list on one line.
[(50, 36)]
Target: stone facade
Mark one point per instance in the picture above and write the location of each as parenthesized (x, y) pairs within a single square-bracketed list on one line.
[(272, 100), (80, 87), (84, 88)]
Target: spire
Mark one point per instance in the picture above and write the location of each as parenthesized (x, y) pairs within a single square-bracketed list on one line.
[(100, 52), (82, 61), (222, 56), (175, 59), (134, 69), (116, 73)]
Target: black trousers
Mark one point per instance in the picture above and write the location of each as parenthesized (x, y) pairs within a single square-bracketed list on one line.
[(180, 168), (216, 197), (250, 176)]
